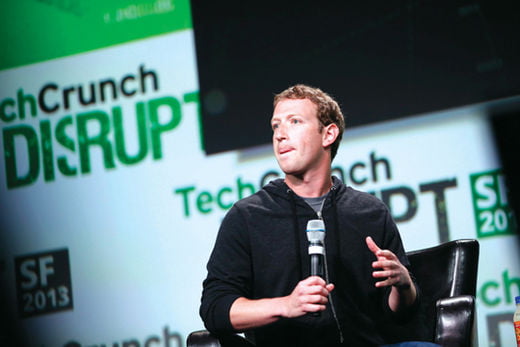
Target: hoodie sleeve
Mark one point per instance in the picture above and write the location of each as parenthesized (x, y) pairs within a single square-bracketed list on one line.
[(392, 239), (229, 273), (393, 242)]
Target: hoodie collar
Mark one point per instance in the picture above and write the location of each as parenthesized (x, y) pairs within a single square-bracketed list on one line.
[(280, 188)]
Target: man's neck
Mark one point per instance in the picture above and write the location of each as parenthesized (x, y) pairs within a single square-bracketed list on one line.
[(310, 186)]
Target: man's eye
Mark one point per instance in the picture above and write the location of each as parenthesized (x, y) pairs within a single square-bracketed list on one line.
[(274, 126), (295, 121)]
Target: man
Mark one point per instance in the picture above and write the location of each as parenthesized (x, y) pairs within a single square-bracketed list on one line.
[(258, 273)]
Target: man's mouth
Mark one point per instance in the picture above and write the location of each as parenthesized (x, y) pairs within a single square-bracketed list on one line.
[(285, 150)]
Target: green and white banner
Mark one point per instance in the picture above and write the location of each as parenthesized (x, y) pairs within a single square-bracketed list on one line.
[(110, 207)]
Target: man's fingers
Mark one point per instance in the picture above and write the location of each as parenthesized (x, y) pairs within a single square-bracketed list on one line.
[(378, 252), (316, 280), (386, 264), (384, 274), (384, 253), (391, 270), (386, 283), (372, 246), (316, 299), (316, 290), (314, 286), (314, 307)]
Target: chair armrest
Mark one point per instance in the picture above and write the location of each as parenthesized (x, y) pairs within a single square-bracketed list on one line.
[(456, 321), (202, 338)]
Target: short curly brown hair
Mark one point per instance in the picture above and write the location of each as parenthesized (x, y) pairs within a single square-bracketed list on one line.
[(328, 109)]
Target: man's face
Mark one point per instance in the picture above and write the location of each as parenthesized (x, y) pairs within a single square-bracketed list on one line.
[(297, 142)]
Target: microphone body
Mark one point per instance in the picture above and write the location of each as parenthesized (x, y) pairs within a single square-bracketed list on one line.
[(316, 237), (317, 265)]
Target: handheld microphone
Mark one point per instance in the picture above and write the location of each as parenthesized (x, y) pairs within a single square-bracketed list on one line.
[(316, 236)]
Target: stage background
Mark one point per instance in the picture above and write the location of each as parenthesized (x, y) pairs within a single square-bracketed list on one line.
[(111, 196)]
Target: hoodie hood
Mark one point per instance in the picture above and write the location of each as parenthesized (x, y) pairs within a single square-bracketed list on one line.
[(279, 188)]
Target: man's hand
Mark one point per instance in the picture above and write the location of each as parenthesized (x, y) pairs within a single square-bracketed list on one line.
[(393, 273), (389, 267), (310, 295)]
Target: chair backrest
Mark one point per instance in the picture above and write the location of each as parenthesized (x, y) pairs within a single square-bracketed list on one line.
[(444, 271), (448, 269)]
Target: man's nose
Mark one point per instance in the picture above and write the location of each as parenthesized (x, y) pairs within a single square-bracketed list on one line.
[(280, 133)]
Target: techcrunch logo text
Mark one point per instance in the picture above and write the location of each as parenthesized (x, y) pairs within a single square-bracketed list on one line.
[(495, 219), (166, 338), (493, 215), (58, 130), (376, 169)]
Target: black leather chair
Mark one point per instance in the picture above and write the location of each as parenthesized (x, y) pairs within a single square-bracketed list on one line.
[(447, 276)]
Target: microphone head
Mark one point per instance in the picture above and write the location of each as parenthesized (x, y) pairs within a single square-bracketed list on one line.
[(316, 231)]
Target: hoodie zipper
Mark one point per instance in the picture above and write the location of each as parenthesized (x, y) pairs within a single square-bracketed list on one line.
[(332, 307), (320, 216)]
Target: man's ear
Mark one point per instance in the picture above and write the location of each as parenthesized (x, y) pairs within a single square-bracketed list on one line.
[(330, 134)]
